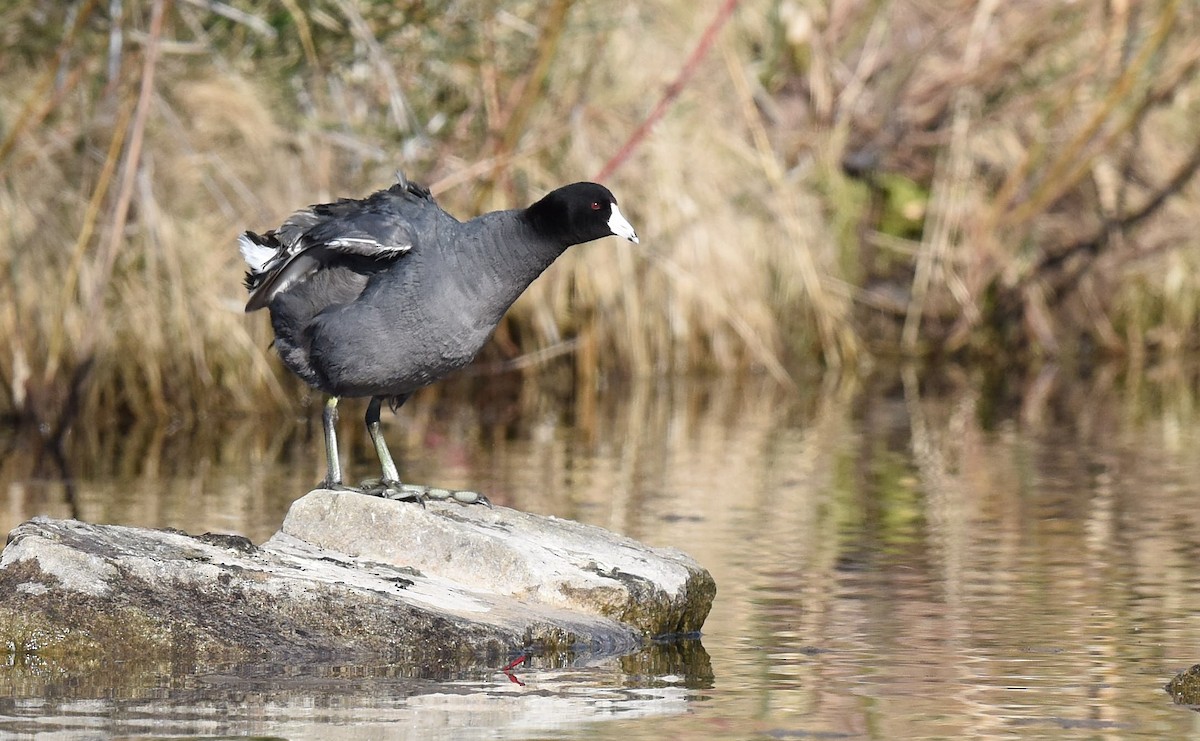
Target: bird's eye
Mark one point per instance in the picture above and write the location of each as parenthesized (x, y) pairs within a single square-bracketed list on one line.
[(595, 205)]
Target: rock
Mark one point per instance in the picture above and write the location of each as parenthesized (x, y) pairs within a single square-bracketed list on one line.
[(346, 575), (1184, 688)]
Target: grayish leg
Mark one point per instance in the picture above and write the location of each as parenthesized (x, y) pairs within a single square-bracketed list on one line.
[(391, 477), (391, 487), (333, 472)]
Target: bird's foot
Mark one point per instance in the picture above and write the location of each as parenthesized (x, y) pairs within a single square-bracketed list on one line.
[(462, 496), (334, 486), (390, 489), (418, 493)]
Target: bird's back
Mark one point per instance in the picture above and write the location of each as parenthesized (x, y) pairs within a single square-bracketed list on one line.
[(323, 257)]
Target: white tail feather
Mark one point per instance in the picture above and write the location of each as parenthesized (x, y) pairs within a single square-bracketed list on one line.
[(256, 255)]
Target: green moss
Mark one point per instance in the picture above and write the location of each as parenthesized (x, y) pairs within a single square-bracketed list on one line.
[(649, 609), (24, 635), (1185, 687), (905, 203)]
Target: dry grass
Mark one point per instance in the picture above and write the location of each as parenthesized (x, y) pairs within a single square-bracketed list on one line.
[(1020, 178), (1045, 150)]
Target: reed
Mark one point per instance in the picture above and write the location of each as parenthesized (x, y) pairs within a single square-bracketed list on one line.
[(824, 183), (1054, 147)]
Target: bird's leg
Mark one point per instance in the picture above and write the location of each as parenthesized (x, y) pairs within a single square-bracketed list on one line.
[(333, 470), (391, 477), (390, 486)]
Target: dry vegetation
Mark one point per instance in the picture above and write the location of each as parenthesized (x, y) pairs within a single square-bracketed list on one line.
[(837, 180)]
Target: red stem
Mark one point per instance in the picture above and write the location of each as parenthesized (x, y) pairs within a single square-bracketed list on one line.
[(672, 91), (514, 663)]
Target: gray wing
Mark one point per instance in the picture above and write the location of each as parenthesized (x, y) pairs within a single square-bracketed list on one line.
[(366, 233), (313, 238)]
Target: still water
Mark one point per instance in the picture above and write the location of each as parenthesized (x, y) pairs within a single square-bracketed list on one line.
[(946, 557)]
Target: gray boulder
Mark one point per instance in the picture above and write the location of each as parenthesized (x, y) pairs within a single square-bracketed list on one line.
[(346, 575)]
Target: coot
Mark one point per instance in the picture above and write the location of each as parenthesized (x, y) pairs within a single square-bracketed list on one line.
[(383, 295)]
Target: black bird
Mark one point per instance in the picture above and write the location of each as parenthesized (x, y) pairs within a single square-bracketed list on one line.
[(381, 296)]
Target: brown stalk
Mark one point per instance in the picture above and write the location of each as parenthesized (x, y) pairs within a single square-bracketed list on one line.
[(133, 154), (401, 112), (1050, 269), (945, 213), (839, 345), (1073, 162), (47, 108), (71, 279), (531, 87), (304, 31), (1034, 152), (26, 117)]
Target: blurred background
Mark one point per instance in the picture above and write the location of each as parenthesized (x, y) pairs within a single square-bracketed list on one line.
[(835, 183), (906, 356)]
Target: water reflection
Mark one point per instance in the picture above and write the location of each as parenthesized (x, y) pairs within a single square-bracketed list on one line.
[(959, 555), (305, 700)]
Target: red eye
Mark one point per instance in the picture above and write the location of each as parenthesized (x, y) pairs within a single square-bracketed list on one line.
[(595, 205)]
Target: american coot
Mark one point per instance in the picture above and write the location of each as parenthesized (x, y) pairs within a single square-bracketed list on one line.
[(380, 296)]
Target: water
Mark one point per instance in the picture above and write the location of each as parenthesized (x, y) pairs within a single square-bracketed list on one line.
[(951, 558)]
